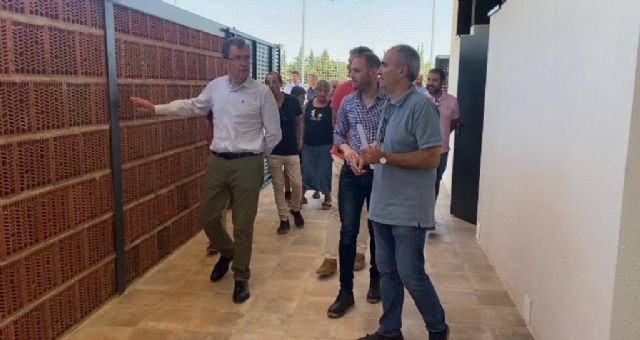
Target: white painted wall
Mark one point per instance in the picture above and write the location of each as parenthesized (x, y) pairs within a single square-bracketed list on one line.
[(626, 301), (560, 89)]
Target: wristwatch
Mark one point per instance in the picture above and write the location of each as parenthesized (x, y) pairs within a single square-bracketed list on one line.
[(383, 160)]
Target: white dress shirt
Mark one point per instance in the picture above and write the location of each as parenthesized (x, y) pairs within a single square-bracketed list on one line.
[(245, 119)]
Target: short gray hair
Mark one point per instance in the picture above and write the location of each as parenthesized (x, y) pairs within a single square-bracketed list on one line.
[(407, 55), (235, 41)]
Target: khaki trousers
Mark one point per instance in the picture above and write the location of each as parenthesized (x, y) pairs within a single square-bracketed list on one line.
[(279, 167), (239, 180)]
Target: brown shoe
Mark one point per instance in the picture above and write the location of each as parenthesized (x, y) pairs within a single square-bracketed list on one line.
[(360, 262), (211, 250), (328, 267)]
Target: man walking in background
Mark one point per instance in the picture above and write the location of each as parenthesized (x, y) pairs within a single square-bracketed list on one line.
[(284, 160), (295, 81), (312, 80), (419, 87), (447, 106)]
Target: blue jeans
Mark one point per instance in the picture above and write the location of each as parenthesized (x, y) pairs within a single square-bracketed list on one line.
[(440, 170), (353, 192), (400, 256)]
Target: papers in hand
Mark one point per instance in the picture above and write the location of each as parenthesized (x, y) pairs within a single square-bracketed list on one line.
[(363, 136), (363, 140)]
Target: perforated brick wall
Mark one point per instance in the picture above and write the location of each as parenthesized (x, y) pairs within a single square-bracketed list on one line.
[(57, 257)]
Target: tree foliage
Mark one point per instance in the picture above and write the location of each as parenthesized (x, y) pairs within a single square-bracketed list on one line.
[(321, 65)]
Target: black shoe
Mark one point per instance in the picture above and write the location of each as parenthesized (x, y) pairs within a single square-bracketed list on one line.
[(373, 295), (341, 305), (433, 227), (221, 268), (211, 250), (284, 227), (442, 335), (297, 218), (287, 195), (378, 336), (241, 292)]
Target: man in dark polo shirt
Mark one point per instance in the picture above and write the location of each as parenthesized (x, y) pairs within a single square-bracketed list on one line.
[(284, 159)]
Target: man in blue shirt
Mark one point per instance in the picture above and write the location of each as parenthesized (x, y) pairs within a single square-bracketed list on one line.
[(419, 87), (403, 196), (295, 81)]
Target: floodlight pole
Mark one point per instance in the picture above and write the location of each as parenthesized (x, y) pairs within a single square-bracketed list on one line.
[(433, 26), (304, 10)]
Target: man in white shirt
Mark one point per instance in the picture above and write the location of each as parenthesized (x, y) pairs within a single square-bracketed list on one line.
[(246, 126)]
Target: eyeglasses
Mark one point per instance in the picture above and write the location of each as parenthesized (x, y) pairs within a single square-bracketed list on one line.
[(241, 58)]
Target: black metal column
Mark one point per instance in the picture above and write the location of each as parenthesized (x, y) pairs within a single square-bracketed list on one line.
[(271, 49), (254, 59), (472, 75), (114, 135)]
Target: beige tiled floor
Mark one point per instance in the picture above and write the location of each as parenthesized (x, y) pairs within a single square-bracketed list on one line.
[(176, 300)]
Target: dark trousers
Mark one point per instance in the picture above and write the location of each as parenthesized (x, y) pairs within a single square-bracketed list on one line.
[(353, 192), (441, 168), (401, 260)]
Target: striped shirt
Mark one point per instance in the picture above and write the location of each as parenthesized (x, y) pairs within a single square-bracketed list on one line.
[(353, 112)]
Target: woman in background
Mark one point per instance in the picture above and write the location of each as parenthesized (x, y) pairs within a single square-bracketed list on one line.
[(318, 139)]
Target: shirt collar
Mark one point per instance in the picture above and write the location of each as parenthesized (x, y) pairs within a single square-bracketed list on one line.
[(381, 95), (403, 98), (443, 94), (245, 83)]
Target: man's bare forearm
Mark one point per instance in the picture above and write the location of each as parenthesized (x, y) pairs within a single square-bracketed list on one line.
[(421, 159)]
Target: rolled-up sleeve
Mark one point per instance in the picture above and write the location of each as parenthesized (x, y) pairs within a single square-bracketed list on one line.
[(198, 106), (456, 109), (270, 121)]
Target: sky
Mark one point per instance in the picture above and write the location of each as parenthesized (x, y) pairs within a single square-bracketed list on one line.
[(334, 25)]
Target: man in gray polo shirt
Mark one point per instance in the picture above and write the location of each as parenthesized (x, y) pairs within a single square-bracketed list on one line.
[(403, 195)]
